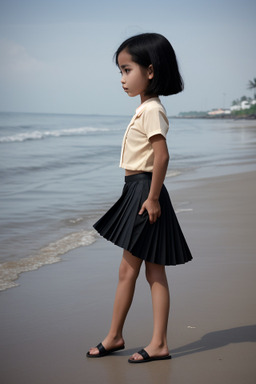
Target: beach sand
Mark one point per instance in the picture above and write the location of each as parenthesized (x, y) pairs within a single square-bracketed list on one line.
[(58, 312)]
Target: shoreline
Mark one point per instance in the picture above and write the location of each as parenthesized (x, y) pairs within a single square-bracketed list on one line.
[(11, 271), (40, 224), (49, 322), (223, 117)]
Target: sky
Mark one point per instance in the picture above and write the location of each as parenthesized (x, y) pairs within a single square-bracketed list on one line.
[(57, 56)]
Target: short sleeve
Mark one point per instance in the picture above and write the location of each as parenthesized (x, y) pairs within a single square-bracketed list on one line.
[(155, 122)]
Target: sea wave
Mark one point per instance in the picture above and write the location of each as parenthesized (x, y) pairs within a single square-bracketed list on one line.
[(10, 271), (39, 135), (179, 210), (172, 173)]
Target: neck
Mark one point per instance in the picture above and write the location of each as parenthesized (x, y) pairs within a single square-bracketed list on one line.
[(144, 98)]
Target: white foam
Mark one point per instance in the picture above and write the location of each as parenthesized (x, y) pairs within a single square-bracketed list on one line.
[(172, 173), (76, 221), (38, 135), (10, 271), (179, 210)]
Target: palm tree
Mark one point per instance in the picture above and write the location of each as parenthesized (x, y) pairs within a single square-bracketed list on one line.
[(236, 102), (252, 85)]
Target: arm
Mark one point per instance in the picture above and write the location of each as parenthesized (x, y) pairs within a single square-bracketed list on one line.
[(161, 159)]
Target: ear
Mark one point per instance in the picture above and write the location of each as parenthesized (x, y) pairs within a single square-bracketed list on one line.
[(150, 72)]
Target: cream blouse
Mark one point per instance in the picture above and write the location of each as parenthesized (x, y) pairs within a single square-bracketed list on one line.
[(150, 119)]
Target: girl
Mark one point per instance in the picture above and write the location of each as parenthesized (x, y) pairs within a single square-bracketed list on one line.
[(143, 221)]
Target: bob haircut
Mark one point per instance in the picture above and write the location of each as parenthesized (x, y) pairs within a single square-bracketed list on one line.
[(154, 49)]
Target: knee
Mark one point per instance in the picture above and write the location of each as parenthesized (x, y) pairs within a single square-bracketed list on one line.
[(155, 273), (126, 273)]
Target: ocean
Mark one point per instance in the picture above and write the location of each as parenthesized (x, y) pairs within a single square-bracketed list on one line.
[(60, 172)]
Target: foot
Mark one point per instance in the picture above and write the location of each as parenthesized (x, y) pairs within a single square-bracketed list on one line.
[(152, 351), (108, 344)]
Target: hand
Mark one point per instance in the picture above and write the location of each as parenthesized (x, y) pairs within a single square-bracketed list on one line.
[(153, 208)]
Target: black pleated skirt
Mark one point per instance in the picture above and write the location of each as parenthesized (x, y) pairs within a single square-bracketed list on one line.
[(162, 242)]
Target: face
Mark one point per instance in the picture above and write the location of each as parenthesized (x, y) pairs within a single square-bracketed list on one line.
[(135, 78)]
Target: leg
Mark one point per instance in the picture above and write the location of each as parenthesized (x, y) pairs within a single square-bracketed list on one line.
[(128, 273), (156, 277)]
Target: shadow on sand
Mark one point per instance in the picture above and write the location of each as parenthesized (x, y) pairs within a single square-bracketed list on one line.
[(217, 339)]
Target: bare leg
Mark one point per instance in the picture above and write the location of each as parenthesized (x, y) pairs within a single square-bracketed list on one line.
[(128, 273), (161, 304)]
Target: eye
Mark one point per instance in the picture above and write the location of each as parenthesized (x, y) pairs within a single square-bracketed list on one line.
[(124, 70)]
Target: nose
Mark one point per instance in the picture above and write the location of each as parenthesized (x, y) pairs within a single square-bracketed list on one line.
[(122, 79)]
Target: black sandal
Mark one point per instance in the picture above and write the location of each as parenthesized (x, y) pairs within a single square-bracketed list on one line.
[(147, 358), (104, 352)]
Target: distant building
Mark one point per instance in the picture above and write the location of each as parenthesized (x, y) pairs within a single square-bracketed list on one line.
[(243, 105), (235, 108), (218, 112)]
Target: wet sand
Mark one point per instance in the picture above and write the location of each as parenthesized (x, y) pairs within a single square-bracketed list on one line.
[(49, 322)]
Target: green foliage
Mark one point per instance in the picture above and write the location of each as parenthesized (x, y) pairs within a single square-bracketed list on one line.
[(252, 85), (245, 112), (243, 98)]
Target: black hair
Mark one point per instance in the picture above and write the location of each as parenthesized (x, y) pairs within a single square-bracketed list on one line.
[(154, 49)]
